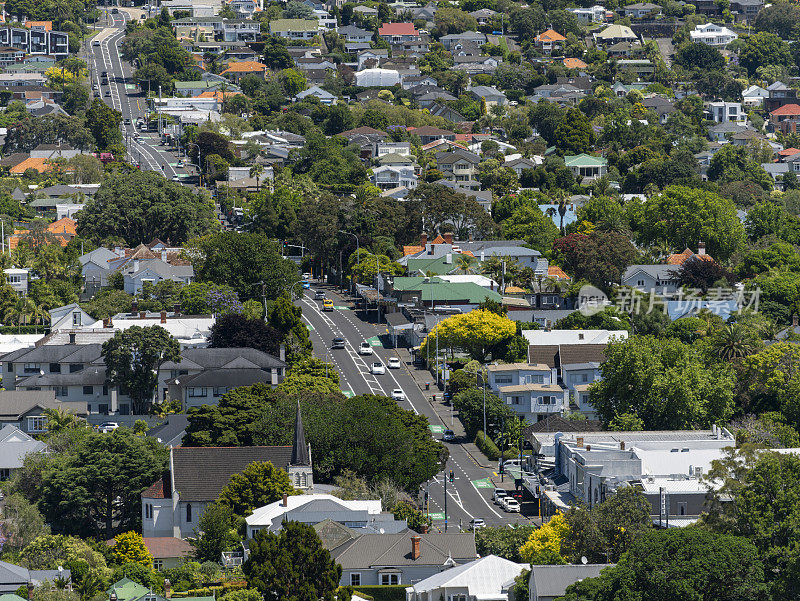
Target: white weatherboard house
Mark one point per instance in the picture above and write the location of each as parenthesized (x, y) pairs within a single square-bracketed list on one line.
[(486, 579), (712, 35)]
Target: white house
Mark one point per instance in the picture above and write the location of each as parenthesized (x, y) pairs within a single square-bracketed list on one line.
[(529, 389), (324, 96), (18, 280), (387, 177), (724, 112), (593, 14), (659, 279), (754, 96), (712, 35), (487, 579)]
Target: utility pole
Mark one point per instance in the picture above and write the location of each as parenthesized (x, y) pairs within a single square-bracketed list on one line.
[(445, 497)]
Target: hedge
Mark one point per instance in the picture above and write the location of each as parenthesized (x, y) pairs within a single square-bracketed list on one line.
[(211, 591), (488, 448), (40, 329), (391, 592)]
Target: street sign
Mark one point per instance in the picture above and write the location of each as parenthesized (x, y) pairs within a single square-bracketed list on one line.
[(483, 483), (375, 341), (348, 393), (341, 308), (437, 516), (310, 327), (436, 429)]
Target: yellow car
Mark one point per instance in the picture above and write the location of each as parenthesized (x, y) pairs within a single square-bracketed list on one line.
[(327, 305)]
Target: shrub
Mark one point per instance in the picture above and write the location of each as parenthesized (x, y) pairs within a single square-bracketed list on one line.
[(487, 446), (395, 592)]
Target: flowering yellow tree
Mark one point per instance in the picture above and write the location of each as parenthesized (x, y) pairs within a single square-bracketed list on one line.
[(129, 547), (476, 333), (544, 545)]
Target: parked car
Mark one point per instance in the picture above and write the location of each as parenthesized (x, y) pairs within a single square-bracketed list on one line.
[(377, 369), (512, 506), (319, 294), (96, 44), (477, 524), (107, 427), (338, 343), (448, 436), (365, 348), (327, 305), (398, 394), (394, 363), (498, 494), (176, 178)]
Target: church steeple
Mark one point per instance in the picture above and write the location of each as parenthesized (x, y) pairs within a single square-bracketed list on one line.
[(300, 455)]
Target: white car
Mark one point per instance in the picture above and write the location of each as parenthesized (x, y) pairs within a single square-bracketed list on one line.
[(181, 165), (511, 506), (377, 369), (107, 427), (365, 348), (477, 524), (398, 394), (394, 363), (498, 495)]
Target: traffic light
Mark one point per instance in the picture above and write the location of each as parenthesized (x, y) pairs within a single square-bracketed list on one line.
[(452, 476), (502, 469)]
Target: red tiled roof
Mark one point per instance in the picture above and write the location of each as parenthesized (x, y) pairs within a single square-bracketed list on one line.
[(551, 35), (398, 29), (681, 258), (787, 152), (156, 491), (411, 249), (554, 271), (787, 109), (167, 547), (574, 63)]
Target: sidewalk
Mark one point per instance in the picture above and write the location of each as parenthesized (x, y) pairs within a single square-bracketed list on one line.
[(444, 412)]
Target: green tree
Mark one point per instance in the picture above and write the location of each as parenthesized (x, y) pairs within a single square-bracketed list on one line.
[(415, 519), (311, 374), (291, 564), (771, 380), (529, 223), (22, 524), (469, 404), (478, 333), (129, 547), (574, 133), (762, 49), (502, 541), (261, 483), (543, 547), (293, 82), (133, 358), (237, 331), (214, 533), (734, 163), (286, 318), (601, 257), (781, 18), (684, 217), (153, 207), (665, 383), (679, 563), (103, 122), (699, 56)]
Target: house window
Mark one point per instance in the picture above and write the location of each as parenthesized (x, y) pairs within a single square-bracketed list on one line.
[(103, 408), (74, 367), (220, 390), (502, 379), (5, 473), (584, 378), (682, 508), (198, 392), (31, 368), (105, 390), (158, 564), (37, 423), (55, 368), (62, 391), (355, 579), (76, 318), (390, 579), (148, 511), (189, 512), (88, 390)]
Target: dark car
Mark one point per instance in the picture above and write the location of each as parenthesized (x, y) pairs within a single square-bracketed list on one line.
[(319, 294), (338, 343)]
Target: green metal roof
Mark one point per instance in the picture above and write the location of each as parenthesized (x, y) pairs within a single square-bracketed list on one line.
[(437, 290), (584, 160)]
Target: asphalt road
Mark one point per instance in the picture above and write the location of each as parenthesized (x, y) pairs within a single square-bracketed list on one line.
[(469, 496), (122, 94)]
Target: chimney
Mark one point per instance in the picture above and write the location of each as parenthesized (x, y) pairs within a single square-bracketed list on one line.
[(166, 484), (177, 309), (167, 588), (423, 239), (72, 337), (588, 447), (415, 542), (30, 589), (142, 314), (163, 317), (105, 323), (110, 322), (285, 500), (701, 248), (282, 352), (794, 320), (448, 258), (136, 265), (621, 445), (579, 442), (134, 307), (580, 336), (164, 255), (448, 237)]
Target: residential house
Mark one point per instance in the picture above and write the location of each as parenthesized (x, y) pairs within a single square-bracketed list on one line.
[(138, 272), (787, 112), (642, 68), (489, 577), (642, 10), (396, 559), (436, 293), (746, 10), (323, 96), (14, 577), (491, 96), (236, 71), (204, 375), (450, 40), (522, 164), (10, 56), (614, 34), (429, 133), (779, 94), (460, 166), (36, 41), (172, 507), (586, 166), (387, 177), (655, 279), (362, 516), (712, 34), (550, 582), (549, 40), (661, 106), (398, 32), (382, 78), (355, 34), (678, 259), (168, 552), (530, 390), (754, 96), (128, 590), (437, 109), (294, 29), (70, 317), (413, 81), (25, 409), (483, 16), (17, 279), (15, 445), (368, 59), (592, 14)]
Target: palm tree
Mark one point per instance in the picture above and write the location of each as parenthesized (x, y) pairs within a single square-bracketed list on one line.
[(39, 315), (493, 267), (465, 264), (732, 343), (59, 419), (19, 311), (561, 198), (256, 171)]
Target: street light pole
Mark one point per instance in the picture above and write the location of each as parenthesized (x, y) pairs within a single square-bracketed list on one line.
[(358, 256), (483, 385), (445, 497)]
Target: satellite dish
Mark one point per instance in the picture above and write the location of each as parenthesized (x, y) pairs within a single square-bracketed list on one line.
[(382, 531), (584, 561)]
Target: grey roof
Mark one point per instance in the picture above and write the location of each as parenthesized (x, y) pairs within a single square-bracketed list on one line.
[(656, 271), (91, 376), (484, 91), (216, 358), (165, 270), (231, 378), (16, 403), (170, 433), (395, 550), (55, 353), (451, 156), (352, 30), (552, 581), (15, 445), (200, 473)]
